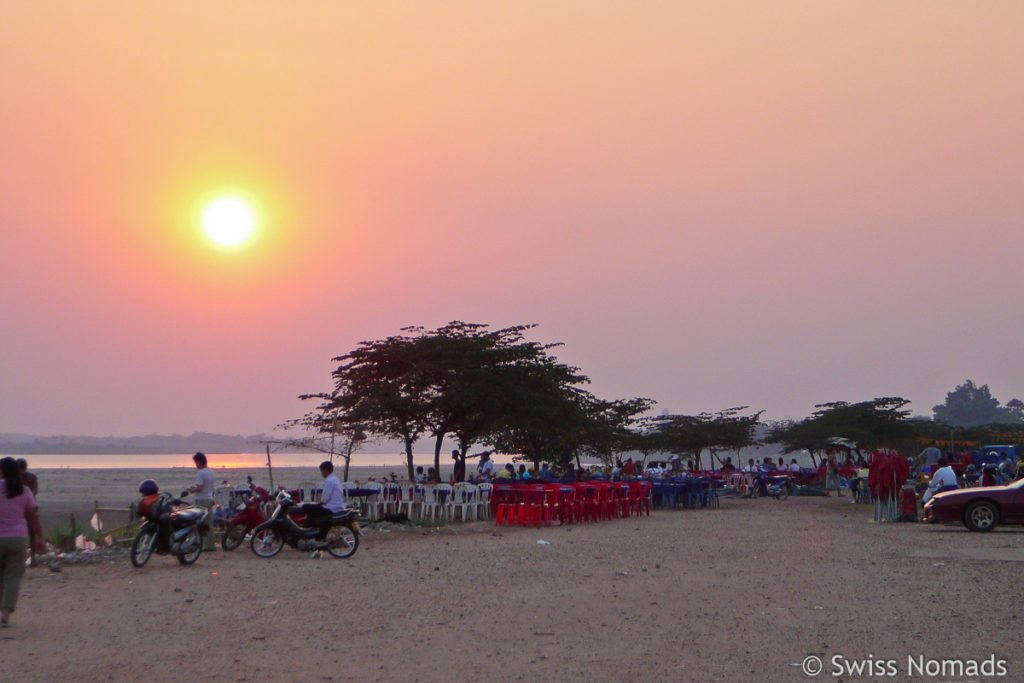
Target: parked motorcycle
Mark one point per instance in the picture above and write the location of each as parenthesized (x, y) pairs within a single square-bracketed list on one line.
[(338, 534), (169, 528), (774, 486), (248, 516)]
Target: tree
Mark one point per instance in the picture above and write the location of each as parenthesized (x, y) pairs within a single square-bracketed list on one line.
[(335, 436), (478, 376), (869, 424), (461, 379), (692, 434), (610, 428), (547, 413), (969, 405), (378, 387)]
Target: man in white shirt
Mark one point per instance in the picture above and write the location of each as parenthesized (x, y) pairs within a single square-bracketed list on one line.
[(203, 488), (485, 468), (944, 479), (333, 497)]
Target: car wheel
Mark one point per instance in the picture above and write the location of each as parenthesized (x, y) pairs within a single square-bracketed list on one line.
[(981, 515)]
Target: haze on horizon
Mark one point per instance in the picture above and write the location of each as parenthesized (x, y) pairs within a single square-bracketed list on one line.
[(711, 204)]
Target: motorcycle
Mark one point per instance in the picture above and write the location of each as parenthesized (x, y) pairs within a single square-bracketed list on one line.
[(169, 529), (338, 533), (247, 517), (774, 486)]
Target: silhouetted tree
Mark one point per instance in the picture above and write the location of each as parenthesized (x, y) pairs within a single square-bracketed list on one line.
[(869, 424), (692, 434), (969, 405)]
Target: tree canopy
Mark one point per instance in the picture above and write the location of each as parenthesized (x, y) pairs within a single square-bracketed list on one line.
[(970, 405), (726, 430), (869, 424), (477, 385)]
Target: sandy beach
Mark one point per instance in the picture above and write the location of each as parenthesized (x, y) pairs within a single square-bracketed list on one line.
[(746, 591)]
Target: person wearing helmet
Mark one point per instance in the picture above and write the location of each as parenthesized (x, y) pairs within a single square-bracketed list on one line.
[(990, 475)]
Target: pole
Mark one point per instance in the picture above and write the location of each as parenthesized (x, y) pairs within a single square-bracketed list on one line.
[(270, 468)]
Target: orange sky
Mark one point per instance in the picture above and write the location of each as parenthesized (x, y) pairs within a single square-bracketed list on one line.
[(713, 204)]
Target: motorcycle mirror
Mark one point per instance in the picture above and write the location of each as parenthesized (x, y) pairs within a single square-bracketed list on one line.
[(184, 494)]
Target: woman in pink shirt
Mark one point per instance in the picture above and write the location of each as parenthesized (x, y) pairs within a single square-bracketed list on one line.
[(17, 515)]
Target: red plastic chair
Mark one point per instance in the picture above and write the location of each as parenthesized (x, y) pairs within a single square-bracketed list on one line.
[(625, 498), (568, 508), (640, 497), (534, 507), (588, 503), (563, 503), (604, 499), (505, 504)]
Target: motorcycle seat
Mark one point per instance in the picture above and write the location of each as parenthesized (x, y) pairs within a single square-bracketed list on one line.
[(189, 514), (318, 515), (348, 513)]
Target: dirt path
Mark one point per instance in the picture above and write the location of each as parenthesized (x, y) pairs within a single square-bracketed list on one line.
[(746, 591)]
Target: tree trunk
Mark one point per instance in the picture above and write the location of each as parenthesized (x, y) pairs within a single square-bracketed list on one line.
[(438, 442), (348, 456), (464, 445), (408, 459)]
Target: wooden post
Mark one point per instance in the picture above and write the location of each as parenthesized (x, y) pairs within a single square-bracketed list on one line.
[(270, 469)]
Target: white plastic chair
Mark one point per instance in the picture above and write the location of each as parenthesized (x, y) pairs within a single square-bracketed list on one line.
[(222, 496), (407, 499), (483, 500), (388, 497), (309, 492), (372, 504), (435, 502), (464, 501)]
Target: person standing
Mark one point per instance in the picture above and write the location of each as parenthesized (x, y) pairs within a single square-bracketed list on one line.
[(203, 488), (18, 516), (459, 469), (485, 468), (832, 473), (31, 481), (930, 456)]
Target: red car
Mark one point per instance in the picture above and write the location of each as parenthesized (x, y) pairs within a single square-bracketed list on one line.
[(979, 508)]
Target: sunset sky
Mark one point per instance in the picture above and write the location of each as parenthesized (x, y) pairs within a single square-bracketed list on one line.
[(712, 204)]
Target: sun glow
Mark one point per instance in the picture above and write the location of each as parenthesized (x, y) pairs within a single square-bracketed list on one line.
[(229, 221)]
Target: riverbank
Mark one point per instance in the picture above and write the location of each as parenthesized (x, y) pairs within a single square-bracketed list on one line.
[(64, 492)]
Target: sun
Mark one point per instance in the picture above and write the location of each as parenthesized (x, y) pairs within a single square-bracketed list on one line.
[(229, 221)]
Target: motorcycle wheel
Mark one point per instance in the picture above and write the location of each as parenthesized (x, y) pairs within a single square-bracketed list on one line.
[(142, 547), (233, 536), (266, 542), (342, 541), (193, 555)]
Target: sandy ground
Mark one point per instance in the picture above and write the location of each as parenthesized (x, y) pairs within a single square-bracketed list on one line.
[(746, 591)]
